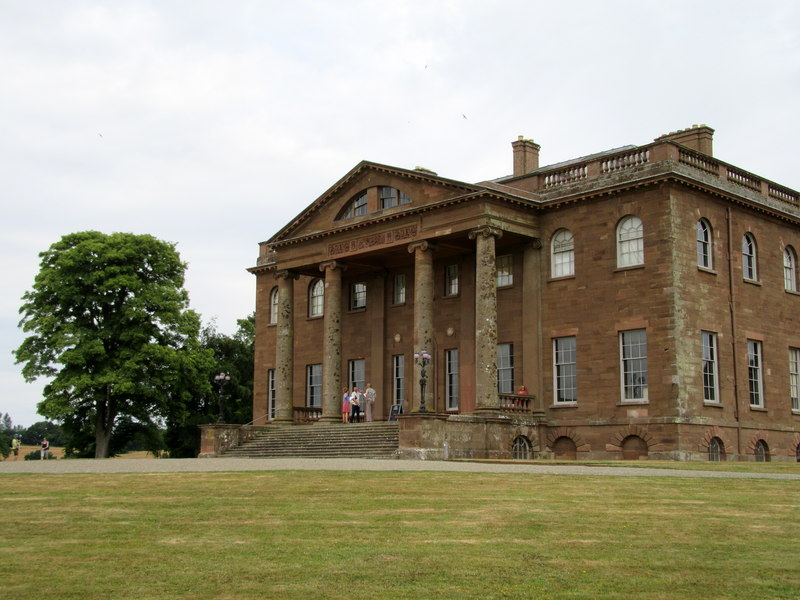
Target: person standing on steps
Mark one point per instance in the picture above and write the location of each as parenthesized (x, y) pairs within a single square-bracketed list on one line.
[(345, 406), (370, 401)]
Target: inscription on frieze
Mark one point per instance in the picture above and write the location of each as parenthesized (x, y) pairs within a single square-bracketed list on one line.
[(370, 241)]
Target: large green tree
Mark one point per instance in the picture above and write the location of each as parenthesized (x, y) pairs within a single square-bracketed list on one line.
[(110, 326)]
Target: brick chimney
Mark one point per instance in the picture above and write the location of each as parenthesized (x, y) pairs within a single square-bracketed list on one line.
[(697, 137), (526, 156)]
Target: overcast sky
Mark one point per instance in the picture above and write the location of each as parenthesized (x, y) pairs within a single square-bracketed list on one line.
[(211, 124)]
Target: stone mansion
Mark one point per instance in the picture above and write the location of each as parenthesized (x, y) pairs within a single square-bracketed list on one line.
[(647, 297)]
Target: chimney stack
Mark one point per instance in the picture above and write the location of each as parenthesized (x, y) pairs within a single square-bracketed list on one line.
[(526, 156), (697, 137)]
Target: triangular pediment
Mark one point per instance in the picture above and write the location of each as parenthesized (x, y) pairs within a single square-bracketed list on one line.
[(371, 191)]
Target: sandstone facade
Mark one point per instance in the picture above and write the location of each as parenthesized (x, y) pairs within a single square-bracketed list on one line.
[(647, 298)]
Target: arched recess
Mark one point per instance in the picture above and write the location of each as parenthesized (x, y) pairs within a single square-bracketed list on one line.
[(761, 451), (633, 448), (564, 448), (723, 445)]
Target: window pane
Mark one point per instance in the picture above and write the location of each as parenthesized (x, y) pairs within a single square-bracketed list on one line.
[(630, 243), (314, 386), (563, 254), (703, 244), (709, 351), (749, 258), (451, 378), (634, 364), (794, 377), (451, 280), (504, 275), (399, 289), (789, 270), (398, 379), (316, 299), (564, 369), (358, 295), (754, 373), (505, 368), (273, 306), (356, 373), (271, 393)]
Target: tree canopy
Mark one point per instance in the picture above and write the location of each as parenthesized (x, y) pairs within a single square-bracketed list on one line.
[(109, 323), (232, 356)]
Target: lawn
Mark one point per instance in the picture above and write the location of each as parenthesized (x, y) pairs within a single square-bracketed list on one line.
[(396, 535)]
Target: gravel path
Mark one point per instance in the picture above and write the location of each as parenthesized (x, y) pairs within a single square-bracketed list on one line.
[(204, 465)]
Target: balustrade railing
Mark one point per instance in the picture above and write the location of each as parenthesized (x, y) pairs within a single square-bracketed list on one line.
[(563, 176), (656, 152), (306, 414), (625, 161), (521, 404), (784, 195), (698, 161), (743, 178)]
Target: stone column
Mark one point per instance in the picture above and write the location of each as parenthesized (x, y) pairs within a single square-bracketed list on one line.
[(531, 319), (486, 398), (284, 350), (423, 322), (332, 344)]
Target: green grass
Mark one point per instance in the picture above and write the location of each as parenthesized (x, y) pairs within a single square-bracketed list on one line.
[(396, 535)]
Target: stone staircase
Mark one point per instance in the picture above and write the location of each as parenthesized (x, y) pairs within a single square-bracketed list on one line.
[(323, 440)]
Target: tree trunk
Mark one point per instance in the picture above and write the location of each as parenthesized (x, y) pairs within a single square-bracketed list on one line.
[(103, 426)]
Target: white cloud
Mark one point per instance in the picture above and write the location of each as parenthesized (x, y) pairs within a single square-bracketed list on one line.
[(211, 125)]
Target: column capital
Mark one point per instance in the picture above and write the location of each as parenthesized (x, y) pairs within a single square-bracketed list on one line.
[(423, 245), (286, 274), (486, 231), (331, 264)]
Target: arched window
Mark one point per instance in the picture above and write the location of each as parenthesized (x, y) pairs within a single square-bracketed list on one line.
[(391, 197), (562, 249), (761, 451), (356, 207), (789, 269), (521, 448), (375, 198), (704, 247), (630, 242), (633, 448), (273, 306), (316, 298), (716, 450), (749, 258)]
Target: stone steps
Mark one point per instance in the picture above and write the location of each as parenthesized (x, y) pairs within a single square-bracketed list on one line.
[(323, 440)]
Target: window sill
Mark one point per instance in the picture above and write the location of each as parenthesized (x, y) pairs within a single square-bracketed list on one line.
[(561, 278), (707, 270), (504, 287), (396, 304), (360, 309), (796, 413), (792, 292), (632, 402), (450, 296), (758, 409), (564, 405), (713, 404), (315, 318), (629, 268), (752, 282)]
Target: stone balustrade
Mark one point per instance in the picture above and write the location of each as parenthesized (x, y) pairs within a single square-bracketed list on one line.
[(549, 179), (306, 414)]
